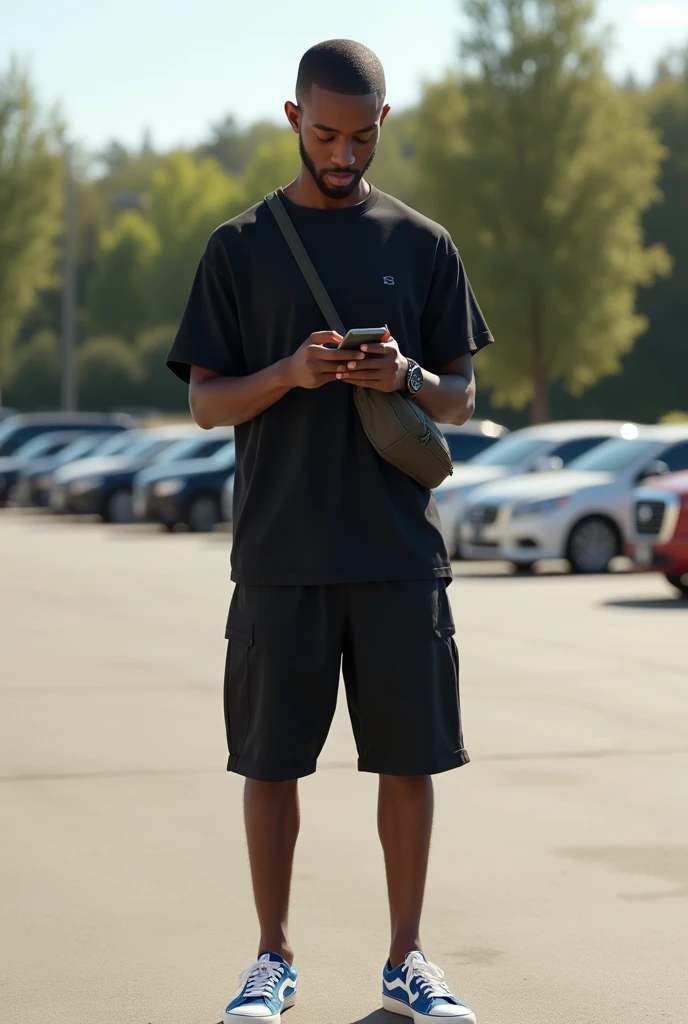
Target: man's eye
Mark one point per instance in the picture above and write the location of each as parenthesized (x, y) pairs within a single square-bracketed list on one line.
[(330, 138), (363, 142)]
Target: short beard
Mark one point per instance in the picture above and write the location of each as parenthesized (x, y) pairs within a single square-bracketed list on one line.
[(318, 177)]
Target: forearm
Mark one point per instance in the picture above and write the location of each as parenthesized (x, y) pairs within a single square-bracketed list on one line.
[(227, 401), (449, 398)]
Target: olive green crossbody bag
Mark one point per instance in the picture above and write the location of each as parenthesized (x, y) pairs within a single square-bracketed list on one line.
[(398, 429)]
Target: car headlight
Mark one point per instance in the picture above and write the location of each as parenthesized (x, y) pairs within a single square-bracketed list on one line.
[(539, 508), (89, 483), (166, 488)]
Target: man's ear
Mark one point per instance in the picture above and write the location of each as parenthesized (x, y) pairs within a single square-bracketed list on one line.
[(385, 111), (293, 115)]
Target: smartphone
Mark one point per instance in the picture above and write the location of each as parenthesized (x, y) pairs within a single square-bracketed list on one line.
[(361, 336)]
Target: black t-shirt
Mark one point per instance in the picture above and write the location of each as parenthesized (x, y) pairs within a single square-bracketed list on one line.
[(313, 501)]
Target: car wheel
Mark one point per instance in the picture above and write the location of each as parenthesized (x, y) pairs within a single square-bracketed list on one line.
[(119, 506), (680, 581), (592, 544), (203, 513), (523, 566)]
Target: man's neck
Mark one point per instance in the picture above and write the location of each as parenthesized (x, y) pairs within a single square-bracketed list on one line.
[(304, 192)]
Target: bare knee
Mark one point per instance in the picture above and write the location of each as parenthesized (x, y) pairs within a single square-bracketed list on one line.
[(270, 791), (405, 784)]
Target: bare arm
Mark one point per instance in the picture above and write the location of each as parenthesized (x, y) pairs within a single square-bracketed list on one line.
[(448, 397), (217, 401), (225, 401)]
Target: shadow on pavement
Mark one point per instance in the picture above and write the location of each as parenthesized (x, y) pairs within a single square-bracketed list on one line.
[(660, 604), (378, 1017)]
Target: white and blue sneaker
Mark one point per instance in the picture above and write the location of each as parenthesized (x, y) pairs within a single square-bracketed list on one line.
[(265, 989), (417, 989)]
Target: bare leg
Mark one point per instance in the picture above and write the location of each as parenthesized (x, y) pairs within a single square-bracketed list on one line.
[(405, 811), (271, 813)]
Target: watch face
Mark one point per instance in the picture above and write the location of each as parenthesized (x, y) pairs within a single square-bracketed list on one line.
[(415, 379)]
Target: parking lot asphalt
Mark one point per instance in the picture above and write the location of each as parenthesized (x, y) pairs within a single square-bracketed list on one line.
[(559, 875)]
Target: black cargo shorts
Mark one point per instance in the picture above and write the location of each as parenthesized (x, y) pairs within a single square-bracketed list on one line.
[(394, 643)]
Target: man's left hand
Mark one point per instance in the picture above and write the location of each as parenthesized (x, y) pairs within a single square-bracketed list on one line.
[(383, 369)]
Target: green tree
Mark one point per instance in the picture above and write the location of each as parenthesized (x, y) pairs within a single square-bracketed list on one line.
[(234, 147), (30, 205), (662, 356), (118, 291), (109, 374), (395, 167), (34, 382), (160, 389), (542, 168), (274, 164), (188, 200)]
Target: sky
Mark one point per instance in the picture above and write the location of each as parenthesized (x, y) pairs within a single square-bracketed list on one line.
[(178, 66)]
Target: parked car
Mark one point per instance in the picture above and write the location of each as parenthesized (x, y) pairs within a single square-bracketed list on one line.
[(533, 449), (5, 411), (582, 513), (34, 480), (102, 485), (660, 519), (17, 430), (472, 438), (187, 492), (27, 455)]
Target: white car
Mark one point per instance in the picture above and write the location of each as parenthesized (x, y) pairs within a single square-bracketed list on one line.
[(582, 513), (533, 449), (472, 438)]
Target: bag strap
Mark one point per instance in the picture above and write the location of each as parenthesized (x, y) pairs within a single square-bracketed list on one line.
[(298, 250)]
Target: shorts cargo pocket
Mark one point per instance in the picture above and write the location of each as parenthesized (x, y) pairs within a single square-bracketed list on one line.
[(236, 688)]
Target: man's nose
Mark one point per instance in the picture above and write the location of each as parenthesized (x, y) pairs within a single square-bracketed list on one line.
[(343, 154)]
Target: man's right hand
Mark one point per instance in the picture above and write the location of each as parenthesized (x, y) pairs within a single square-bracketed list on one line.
[(313, 365)]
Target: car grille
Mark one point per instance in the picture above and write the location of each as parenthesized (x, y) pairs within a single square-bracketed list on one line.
[(649, 516), (483, 515)]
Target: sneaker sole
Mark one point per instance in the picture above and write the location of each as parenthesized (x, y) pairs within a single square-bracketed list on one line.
[(246, 1018), (396, 1006)]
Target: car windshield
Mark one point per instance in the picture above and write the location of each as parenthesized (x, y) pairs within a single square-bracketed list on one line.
[(42, 445), (186, 448), (146, 447), (117, 444), (613, 456), (76, 450), (7, 427), (510, 451), (224, 457)]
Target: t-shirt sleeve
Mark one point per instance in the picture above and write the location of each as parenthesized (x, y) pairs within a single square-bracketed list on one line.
[(209, 334), (452, 324)]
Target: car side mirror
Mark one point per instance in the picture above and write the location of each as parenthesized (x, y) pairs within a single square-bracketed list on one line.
[(544, 463), (656, 468)]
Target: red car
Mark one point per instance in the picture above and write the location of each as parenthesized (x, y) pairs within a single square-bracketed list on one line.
[(660, 515)]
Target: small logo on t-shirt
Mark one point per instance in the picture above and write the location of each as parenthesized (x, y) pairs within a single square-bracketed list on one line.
[(388, 280)]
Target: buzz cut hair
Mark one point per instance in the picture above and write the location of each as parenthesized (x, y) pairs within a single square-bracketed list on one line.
[(343, 66)]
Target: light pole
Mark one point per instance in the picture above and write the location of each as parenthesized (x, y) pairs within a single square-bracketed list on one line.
[(68, 340)]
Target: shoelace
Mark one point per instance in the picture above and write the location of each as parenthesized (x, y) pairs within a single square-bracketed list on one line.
[(428, 976), (261, 978)]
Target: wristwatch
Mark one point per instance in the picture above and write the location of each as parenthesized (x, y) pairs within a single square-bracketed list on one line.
[(414, 377)]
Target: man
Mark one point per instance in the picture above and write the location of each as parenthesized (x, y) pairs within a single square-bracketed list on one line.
[(338, 558)]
